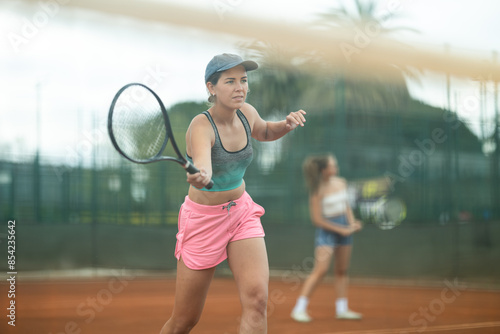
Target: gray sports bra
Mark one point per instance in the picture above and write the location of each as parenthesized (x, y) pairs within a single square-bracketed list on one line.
[(228, 168)]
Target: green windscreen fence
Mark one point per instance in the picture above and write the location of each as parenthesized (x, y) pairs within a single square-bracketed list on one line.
[(104, 211)]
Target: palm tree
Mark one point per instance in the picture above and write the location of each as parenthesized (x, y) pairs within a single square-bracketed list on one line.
[(275, 90), (362, 27), (280, 81), (281, 86)]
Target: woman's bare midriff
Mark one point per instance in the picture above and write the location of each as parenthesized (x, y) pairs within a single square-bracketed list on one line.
[(215, 198)]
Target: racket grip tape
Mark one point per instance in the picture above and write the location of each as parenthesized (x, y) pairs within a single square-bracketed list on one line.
[(191, 169)]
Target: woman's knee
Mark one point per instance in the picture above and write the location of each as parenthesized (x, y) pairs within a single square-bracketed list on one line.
[(341, 271), (320, 272), (256, 298)]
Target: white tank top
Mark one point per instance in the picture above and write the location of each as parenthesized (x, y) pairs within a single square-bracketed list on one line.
[(335, 204)]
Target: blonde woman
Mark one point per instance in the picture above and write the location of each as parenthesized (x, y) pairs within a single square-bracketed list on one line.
[(332, 215)]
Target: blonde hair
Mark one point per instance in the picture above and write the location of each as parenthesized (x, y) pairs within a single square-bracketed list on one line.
[(312, 167)]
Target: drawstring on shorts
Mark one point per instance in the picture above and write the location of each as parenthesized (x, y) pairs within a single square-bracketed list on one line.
[(228, 206)]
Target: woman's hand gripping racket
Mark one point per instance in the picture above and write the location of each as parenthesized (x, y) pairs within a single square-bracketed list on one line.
[(139, 127)]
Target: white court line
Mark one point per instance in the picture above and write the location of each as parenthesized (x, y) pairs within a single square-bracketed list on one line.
[(416, 329)]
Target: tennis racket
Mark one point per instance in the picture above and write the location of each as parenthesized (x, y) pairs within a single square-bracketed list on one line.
[(140, 130), (385, 213), (374, 202)]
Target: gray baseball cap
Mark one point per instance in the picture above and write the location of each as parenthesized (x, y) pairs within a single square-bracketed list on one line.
[(226, 61)]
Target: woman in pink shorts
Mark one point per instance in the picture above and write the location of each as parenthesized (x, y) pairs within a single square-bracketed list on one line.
[(223, 222)]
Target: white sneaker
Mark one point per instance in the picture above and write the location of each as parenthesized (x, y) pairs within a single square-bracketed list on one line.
[(300, 316), (349, 315)]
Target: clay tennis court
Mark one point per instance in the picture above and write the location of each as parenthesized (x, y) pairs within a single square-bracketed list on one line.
[(126, 304)]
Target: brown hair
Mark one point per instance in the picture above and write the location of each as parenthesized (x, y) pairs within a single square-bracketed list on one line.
[(214, 78), (312, 168)]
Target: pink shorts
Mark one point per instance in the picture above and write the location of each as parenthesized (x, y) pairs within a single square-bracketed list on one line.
[(206, 230)]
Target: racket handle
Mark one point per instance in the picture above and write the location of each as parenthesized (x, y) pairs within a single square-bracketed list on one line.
[(209, 184), (191, 169)]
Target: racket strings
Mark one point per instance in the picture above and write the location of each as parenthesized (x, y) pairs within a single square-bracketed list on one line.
[(138, 124), (393, 210)]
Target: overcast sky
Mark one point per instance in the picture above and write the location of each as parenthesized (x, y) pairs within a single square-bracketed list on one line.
[(78, 59)]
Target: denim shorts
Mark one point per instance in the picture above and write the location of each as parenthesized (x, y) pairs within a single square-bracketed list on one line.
[(329, 238)]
